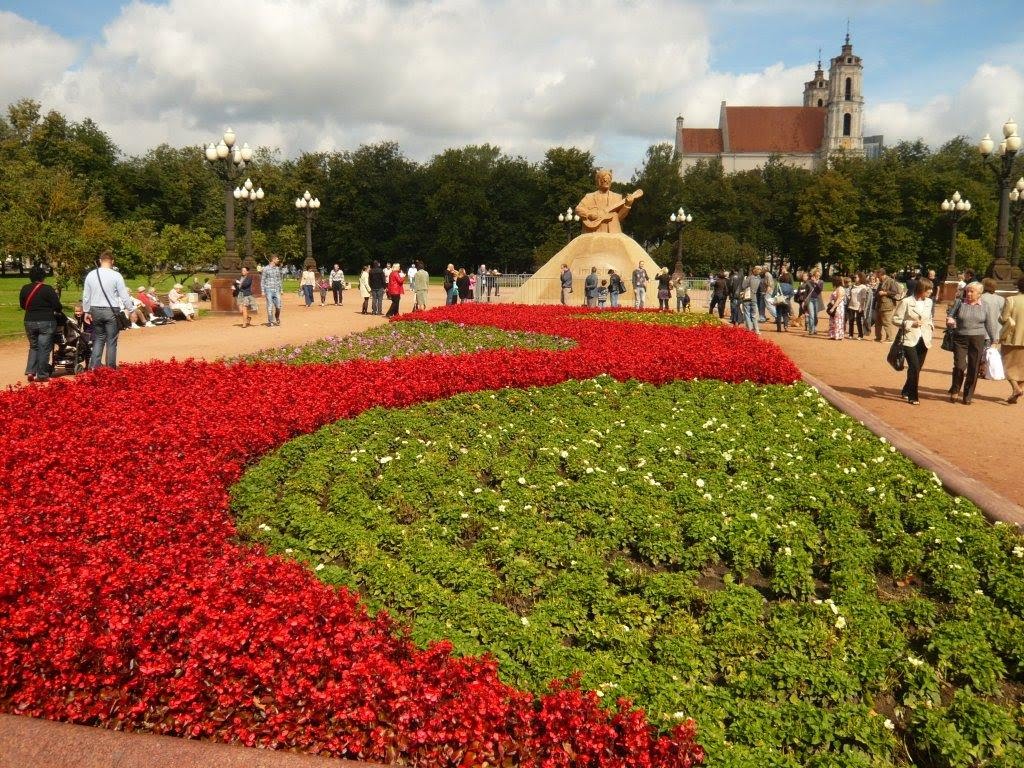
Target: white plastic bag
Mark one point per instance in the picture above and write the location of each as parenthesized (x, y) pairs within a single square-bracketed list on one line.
[(994, 365)]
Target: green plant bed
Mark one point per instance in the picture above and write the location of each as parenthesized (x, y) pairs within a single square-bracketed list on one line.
[(404, 339), (681, 319), (744, 555)]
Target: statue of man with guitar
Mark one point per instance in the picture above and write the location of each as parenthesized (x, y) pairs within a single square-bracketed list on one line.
[(604, 210)]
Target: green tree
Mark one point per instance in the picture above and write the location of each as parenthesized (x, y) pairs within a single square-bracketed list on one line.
[(663, 193)]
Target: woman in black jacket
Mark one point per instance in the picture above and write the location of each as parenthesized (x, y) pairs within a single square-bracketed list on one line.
[(41, 305)]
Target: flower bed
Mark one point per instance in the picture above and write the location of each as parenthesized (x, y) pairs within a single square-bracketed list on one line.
[(743, 554), (127, 602), (403, 340)]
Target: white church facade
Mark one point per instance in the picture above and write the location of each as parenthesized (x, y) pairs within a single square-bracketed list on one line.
[(830, 121)]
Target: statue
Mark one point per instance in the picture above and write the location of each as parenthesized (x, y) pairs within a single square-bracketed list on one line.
[(604, 210)]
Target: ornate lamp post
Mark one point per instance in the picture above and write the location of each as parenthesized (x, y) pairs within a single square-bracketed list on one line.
[(1002, 166), (228, 162), (569, 219), (248, 196), (308, 205), (955, 209), (1016, 215), (680, 218)]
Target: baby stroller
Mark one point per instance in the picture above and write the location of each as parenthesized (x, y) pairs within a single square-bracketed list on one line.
[(72, 345)]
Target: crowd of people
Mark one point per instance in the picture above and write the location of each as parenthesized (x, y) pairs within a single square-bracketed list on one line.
[(607, 290)]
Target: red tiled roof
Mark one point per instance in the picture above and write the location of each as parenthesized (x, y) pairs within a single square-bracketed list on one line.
[(702, 141), (774, 129)]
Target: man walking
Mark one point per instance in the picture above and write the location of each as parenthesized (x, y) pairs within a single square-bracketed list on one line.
[(378, 282), (885, 303), (273, 281), (104, 294), (640, 280), (719, 288), (420, 285), (566, 279), (337, 278)]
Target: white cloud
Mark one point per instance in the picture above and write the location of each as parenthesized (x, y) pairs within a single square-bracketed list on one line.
[(30, 56), (330, 74)]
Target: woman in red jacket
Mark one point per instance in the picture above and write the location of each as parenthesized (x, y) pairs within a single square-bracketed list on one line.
[(395, 281)]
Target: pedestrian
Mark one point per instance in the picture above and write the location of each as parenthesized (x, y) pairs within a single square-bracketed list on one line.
[(719, 287), (682, 294), (272, 283), (565, 279), (812, 300), (451, 289), (323, 285), (974, 326), (462, 286), (1012, 342), (246, 302), (781, 298), (337, 277), (748, 300), (307, 284), (836, 310), (41, 304), (602, 294), (664, 280), (590, 288), (615, 287), (914, 315), (364, 288), (886, 296), (421, 284), (993, 302), (480, 283), (639, 282), (378, 283), (396, 286), (868, 302), (104, 295), (856, 291), (736, 278)]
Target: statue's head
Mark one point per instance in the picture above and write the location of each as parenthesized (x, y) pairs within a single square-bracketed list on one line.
[(604, 179)]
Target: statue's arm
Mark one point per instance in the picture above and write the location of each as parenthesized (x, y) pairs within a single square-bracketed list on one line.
[(587, 209)]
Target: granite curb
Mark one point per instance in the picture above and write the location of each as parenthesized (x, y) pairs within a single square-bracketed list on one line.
[(27, 742), (995, 506)]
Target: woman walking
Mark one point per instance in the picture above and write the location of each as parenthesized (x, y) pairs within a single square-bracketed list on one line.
[(306, 284), (914, 315), (41, 305), (974, 325), (781, 297), (837, 311), (1012, 342)]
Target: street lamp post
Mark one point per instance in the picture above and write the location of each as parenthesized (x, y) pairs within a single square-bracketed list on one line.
[(308, 205), (248, 196), (955, 208), (680, 218), (1002, 166), (569, 219), (228, 161), (1016, 215)]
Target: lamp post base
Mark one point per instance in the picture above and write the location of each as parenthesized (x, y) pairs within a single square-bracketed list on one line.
[(1005, 275), (221, 300)]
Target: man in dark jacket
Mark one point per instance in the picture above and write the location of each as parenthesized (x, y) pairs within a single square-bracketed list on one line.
[(719, 291), (377, 285), (735, 296)]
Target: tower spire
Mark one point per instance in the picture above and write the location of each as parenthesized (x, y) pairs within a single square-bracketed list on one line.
[(819, 58), (847, 30)]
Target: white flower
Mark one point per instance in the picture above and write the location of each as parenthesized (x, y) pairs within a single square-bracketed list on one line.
[(679, 715), (477, 490), (889, 725), (384, 459), (713, 539), (564, 454), (753, 516), (320, 567), (264, 527), (354, 458), (1018, 551), (524, 621), (700, 483), (590, 470), (914, 661), (464, 515), (787, 551), (871, 489), (840, 623), (502, 507), (521, 481)]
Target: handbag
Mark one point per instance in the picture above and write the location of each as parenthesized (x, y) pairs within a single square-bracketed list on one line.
[(947, 339), (897, 356), (746, 294), (830, 310), (123, 321)]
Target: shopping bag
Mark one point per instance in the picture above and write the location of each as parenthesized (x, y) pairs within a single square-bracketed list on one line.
[(994, 365)]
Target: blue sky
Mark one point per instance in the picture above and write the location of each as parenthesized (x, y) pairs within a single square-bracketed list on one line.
[(605, 75)]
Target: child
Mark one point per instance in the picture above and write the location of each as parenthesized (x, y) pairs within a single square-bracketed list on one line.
[(323, 285), (602, 294)]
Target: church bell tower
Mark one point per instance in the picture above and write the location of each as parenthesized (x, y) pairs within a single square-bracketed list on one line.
[(816, 90), (844, 131)]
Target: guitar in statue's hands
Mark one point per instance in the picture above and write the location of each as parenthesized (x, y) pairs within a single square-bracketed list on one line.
[(593, 220)]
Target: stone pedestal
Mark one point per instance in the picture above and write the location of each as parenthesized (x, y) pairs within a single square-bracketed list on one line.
[(947, 291), (221, 299)]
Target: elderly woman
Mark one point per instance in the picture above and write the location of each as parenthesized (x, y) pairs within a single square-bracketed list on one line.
[(914, 315), (179, 302), (836, 310), (974, 326), (1012, 342), (364, 288)]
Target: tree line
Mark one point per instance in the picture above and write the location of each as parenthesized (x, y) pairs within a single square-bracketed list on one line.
[(67, 192)]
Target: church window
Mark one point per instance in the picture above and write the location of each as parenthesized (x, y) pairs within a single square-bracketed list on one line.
[(821, 103), (849, 88), (821, 83), (846, 124), (849, 60)]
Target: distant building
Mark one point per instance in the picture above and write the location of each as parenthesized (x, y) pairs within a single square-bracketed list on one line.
[(829, 121)]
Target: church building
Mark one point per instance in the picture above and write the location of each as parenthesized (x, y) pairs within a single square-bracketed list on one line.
[(830, 121)]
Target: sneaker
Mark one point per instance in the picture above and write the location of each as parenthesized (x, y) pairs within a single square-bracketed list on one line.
[(31, 376), (149, 324), (135, 327)]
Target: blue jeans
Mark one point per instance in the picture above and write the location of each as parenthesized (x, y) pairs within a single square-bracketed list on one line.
[(273, 301), (734, 311), (641, 296), (376, 300), (750, 316), (811, 316), (615, 298), (40, 345), (307, 294), (105, 332)]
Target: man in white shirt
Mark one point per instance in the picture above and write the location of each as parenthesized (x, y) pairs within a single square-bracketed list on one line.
[(104, 294)]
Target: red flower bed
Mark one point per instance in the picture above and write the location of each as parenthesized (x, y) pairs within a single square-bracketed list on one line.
[(126, 602)]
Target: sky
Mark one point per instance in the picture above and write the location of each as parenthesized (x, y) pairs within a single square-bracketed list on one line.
[(608, 76)]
